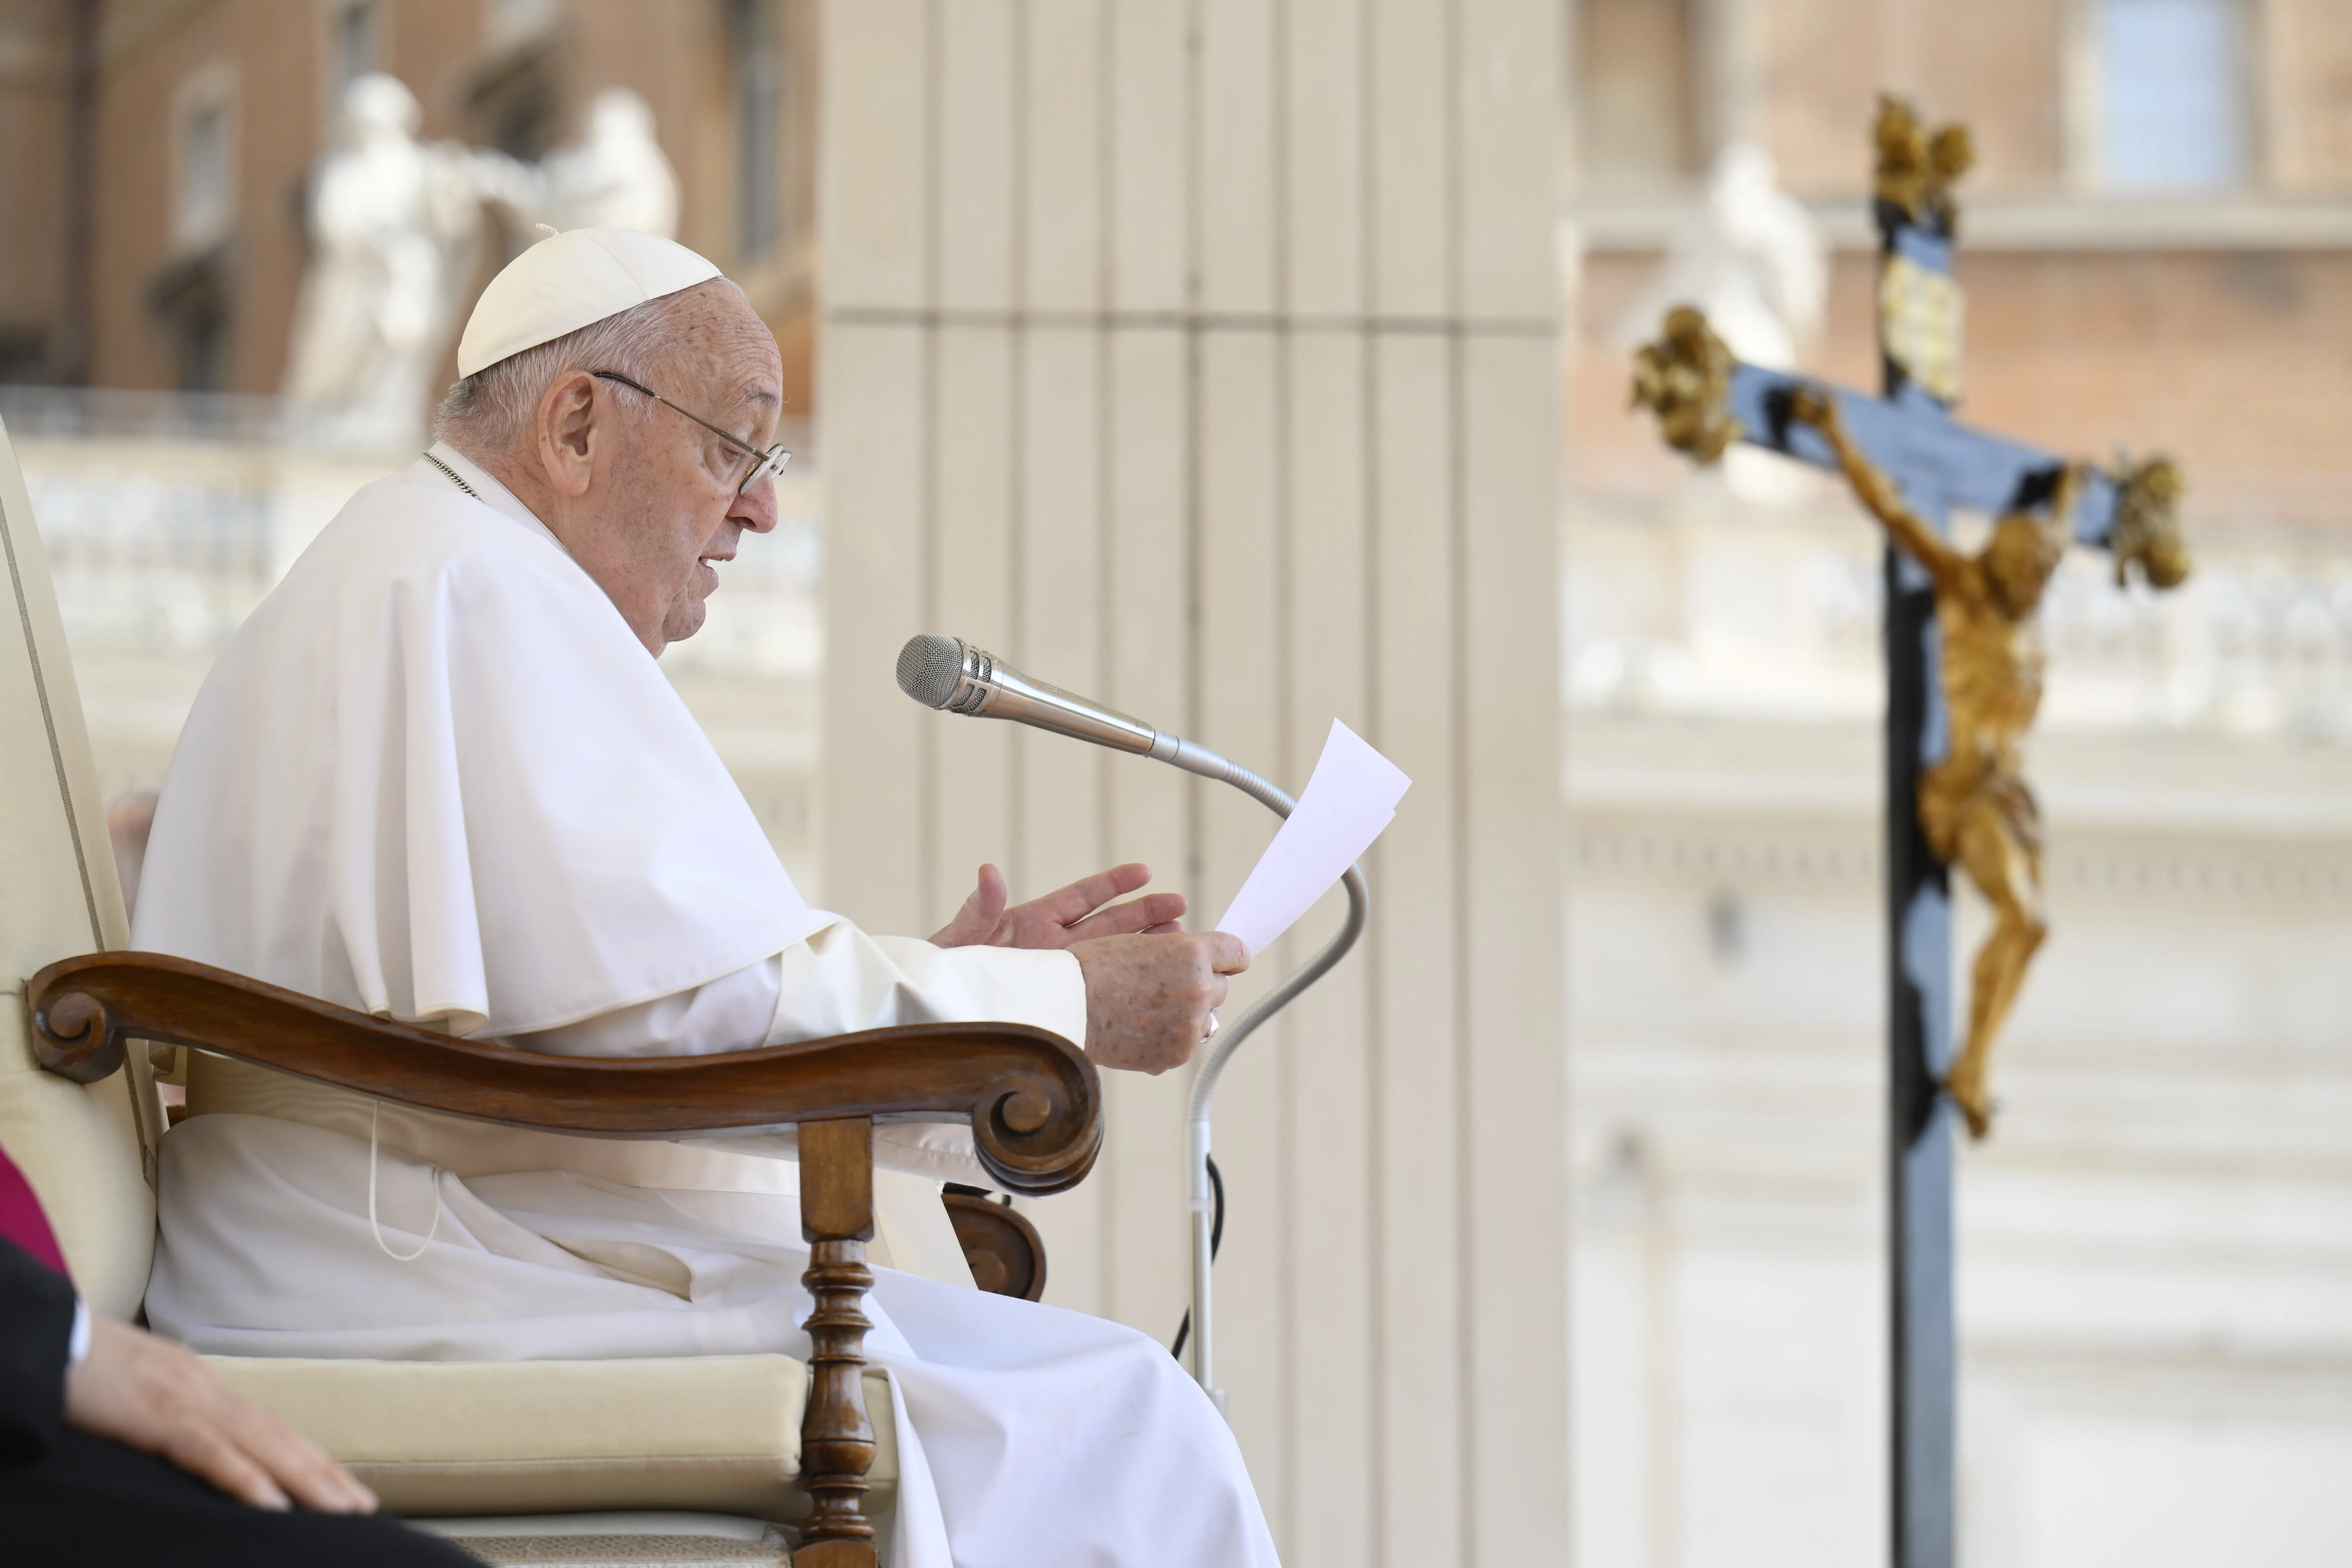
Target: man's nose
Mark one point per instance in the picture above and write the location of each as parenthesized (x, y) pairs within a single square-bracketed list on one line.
[(755, 506)]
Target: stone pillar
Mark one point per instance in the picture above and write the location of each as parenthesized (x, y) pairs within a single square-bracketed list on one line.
[(1202, 356)]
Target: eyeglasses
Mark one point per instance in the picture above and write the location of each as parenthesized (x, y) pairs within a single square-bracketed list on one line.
[(771, 461)]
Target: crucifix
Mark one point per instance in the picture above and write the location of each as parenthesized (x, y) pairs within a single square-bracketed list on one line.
[(1964, 667)]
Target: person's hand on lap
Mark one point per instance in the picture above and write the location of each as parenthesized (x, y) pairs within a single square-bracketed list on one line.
[(150, 1395)]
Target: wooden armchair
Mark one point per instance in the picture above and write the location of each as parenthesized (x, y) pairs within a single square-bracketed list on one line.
[(1032, 1098), (757, 1435)]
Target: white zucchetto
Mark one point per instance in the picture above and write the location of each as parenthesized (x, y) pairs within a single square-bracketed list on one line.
[(569, 281)]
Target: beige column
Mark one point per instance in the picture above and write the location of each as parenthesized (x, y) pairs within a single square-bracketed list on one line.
[(1202, 356)]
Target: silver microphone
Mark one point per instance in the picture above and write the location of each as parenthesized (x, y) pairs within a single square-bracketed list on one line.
[(949, 674), (952, 674)]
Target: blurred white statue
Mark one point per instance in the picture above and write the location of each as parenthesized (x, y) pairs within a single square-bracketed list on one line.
[(1752, 257), (615, 177), (393, 229)]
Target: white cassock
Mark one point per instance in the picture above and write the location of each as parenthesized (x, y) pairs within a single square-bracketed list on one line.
[(436, 778)]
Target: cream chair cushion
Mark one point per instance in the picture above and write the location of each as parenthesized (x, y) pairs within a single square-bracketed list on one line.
[(720, 1434), (87, 1151)]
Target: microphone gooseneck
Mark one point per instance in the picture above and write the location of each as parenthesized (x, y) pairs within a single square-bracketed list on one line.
[(954, 677)]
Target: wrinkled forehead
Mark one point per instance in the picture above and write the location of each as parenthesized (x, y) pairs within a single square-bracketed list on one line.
[(718, 353)]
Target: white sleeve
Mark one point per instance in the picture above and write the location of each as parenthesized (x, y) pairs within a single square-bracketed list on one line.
[(728, 1013), (841, 980), (836, 982)]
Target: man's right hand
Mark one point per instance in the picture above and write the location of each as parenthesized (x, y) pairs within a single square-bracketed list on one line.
[(1149, 997)]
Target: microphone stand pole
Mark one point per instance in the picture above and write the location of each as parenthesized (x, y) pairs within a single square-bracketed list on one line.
[(950, 675), (1208, 764)]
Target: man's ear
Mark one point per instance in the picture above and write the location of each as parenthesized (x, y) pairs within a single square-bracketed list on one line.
[(568, 431)]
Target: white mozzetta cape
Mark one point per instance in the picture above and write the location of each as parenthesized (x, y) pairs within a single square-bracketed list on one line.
[(435, 777)]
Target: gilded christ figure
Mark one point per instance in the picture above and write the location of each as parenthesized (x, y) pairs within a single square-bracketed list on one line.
[(1975, 805)]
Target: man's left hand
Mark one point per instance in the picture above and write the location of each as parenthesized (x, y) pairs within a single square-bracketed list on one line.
[(1079, 912)]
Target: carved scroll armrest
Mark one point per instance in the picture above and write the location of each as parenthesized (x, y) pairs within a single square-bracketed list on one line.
[(1033, 1099), (1006, 1255)]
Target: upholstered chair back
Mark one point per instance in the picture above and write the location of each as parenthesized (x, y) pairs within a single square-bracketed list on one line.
[(87, 1152)]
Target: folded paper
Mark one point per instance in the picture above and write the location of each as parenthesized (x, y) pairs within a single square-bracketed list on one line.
[(1351, 796)]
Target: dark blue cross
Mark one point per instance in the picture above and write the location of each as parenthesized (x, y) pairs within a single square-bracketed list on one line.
[(1939, 466)]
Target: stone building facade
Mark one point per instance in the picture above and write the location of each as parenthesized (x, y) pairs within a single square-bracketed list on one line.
[(2154, 1274), (2157, 253), (2137, 271), (152, 205)]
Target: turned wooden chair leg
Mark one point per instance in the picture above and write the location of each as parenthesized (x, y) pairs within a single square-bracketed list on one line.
[(836, 1439)]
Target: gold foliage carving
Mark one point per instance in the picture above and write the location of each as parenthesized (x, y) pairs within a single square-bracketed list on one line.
[(1916, 168), (1686, 377), (2147, 523)]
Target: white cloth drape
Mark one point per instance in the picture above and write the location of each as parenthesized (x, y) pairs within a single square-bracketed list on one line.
[(1044, 1436), (436, 778)]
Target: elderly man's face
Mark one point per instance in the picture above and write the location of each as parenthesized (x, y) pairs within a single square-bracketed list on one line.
[(663, 511)]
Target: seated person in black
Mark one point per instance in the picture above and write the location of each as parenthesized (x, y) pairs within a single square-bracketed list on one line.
[(124, 1448)]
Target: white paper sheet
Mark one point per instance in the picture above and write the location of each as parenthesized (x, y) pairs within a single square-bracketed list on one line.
[(1351, 796)]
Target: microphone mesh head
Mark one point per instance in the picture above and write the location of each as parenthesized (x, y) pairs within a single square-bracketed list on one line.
[(929, 669)]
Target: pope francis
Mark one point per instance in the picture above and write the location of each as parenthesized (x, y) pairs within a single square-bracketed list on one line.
[(437, 778)]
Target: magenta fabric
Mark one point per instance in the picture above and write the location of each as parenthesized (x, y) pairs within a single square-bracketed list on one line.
[(21, 1219)]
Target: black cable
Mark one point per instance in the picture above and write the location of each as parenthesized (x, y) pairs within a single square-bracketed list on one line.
[(1216, 1240)]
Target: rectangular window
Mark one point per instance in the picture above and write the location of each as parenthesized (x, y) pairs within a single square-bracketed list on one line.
[(1634, 60), (201, 213), (353, 43), (2172, 95), (758, 120), (510, 20)]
